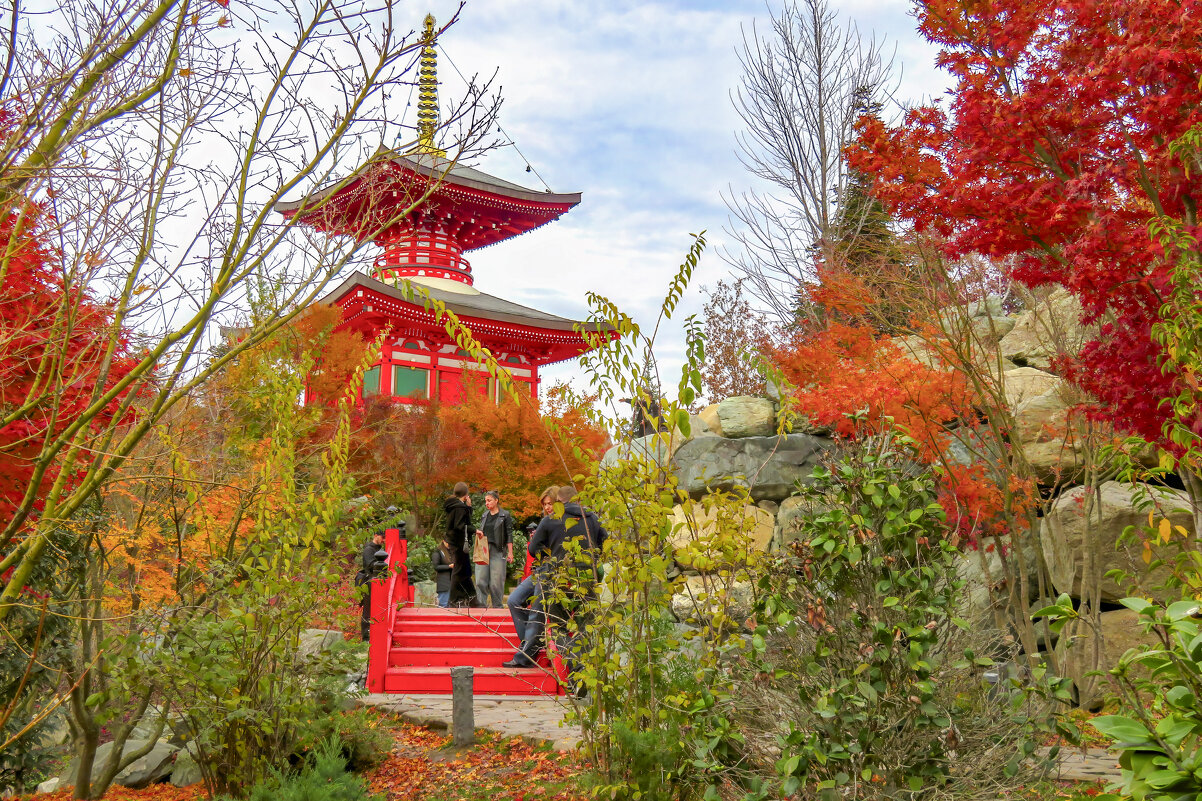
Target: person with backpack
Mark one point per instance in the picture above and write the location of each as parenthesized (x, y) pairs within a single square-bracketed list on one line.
[(458, 509), (525, 602)]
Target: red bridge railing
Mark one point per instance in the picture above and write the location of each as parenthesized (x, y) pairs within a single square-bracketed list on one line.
[(388, 593)]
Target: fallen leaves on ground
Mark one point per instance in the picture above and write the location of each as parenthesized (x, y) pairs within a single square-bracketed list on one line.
[(423, 767), (155, 792)]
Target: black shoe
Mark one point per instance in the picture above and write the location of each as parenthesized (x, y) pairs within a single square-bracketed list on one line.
[(516, 663)]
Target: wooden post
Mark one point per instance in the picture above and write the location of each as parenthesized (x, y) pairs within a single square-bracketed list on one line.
[(463, 716)]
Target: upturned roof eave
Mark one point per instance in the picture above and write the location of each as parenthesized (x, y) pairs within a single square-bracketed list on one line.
[(510, 313), (447, 175)]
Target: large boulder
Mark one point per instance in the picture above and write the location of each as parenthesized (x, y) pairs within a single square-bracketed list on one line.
[(768, 466), (709, 416), (1081, 527), (317, 641), (1051, 329), (987, 574), (702, 597), (1077, 649), (186, 770), (691, 534), (793, 511), (1023, 383), (1047, 433), (744, 416), (154, 766), (175, 729), (655, 448), (146, 770)]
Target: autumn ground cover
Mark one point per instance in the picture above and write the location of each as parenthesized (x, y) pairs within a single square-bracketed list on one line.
[(424, 766)]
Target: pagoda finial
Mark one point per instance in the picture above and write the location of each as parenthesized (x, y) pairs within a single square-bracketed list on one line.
[(427, 96)]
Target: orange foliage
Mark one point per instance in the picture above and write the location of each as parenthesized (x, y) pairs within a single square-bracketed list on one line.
[(418, 452), (523, 454), (337, 352), (188, 500), (848, 368)]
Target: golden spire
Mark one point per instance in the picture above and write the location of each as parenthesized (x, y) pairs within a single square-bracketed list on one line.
[(427, 96)]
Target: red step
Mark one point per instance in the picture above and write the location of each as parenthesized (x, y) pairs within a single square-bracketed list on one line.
[(424, 680), (451, 626), (440, 613), (474, 639), (449, 656)]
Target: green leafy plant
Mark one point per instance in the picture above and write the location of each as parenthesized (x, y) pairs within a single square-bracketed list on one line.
[(1159, 735), (869, 686)]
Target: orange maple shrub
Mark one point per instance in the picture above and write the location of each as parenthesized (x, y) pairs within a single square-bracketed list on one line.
[(529, 445), (416, 453), (852, 379)]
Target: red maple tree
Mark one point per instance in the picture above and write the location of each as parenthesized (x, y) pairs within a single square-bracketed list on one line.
[(1054, 151), (58, 353)]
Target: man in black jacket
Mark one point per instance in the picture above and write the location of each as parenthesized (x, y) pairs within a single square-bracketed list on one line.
[(575, 547), (367, 567), (458, 509), (525, 602)]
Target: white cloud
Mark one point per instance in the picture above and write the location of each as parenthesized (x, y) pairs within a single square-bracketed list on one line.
[(628, 103)]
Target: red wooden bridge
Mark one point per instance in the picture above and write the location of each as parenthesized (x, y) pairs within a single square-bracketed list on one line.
[(413, 649)]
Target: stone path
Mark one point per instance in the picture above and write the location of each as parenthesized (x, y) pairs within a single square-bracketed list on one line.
[(536, 720), (1095, 765)]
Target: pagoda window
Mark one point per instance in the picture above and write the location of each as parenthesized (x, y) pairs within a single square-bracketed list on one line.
[(412, 346), (371, 382), (410, 382), (513, 359), (422, 258)]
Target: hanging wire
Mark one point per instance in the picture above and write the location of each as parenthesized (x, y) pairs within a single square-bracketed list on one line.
[(510, 143), (408, 105)]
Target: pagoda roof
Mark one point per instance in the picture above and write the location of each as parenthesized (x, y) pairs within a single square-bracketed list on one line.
[(495, 208), (556, 336)]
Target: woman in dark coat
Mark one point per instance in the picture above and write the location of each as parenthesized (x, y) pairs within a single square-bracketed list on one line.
[(458, 509)]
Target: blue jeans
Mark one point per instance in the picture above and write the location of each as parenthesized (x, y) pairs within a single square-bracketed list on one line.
[(526, 608), (444, 598), (490, 579)]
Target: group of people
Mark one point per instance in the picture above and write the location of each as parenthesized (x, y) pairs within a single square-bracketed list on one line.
[(471, 565), (562, 576)]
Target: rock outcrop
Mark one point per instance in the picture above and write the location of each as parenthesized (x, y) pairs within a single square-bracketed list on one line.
[(768, 466), (1081, 532)]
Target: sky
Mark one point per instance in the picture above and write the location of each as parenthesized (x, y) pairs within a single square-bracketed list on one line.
[(629, 104)]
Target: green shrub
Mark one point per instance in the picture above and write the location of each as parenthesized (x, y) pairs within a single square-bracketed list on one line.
[(1157, 735), (364, 742), (418, 558), (323, 777), (868, 685)]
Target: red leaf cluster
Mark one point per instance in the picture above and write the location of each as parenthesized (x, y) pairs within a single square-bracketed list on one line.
[(1054, 152)]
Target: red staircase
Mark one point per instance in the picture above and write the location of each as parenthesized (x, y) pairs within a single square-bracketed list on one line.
[(426, 643), (413, 649)]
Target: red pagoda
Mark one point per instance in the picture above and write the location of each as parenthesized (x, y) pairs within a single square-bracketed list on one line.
[(426, 212)]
